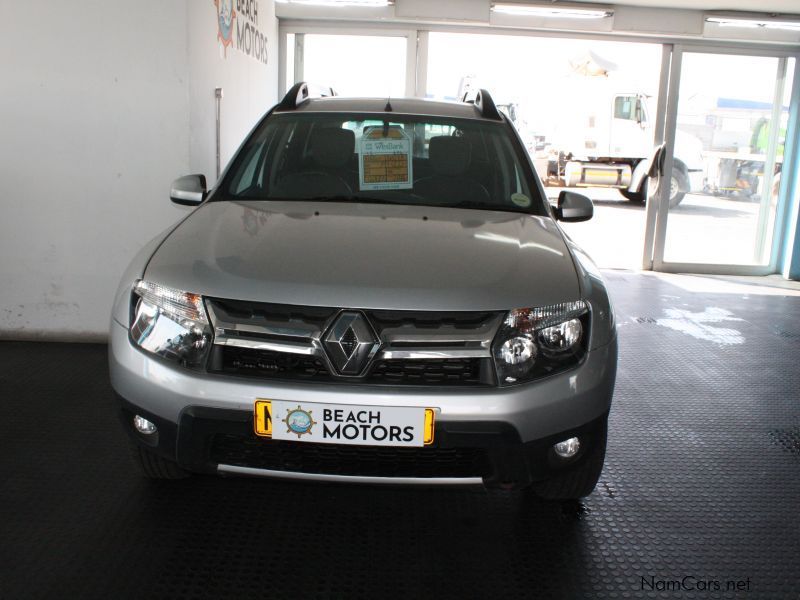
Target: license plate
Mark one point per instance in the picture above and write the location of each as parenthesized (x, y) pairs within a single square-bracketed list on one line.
[(344, 423)]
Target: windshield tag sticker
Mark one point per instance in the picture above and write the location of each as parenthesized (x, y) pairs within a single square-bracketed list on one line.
[(384, 160), (521, 200)]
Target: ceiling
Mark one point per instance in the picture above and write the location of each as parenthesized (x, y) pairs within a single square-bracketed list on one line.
[(760, 6)]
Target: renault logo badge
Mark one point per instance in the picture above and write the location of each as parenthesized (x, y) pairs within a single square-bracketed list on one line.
[(350, 343)]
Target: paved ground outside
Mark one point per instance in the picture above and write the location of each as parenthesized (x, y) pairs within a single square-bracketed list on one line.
[(701, 229)]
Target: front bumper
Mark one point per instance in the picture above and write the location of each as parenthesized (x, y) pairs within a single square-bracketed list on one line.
[(208, 440), (491, 435)]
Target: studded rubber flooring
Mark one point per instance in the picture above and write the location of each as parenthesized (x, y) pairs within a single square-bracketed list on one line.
[(699, 497)]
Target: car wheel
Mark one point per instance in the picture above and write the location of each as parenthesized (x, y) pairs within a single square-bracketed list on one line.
[(580, 481), (153, 466)]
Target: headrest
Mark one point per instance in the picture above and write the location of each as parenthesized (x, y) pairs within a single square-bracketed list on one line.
[(331, 147), (449, 155)]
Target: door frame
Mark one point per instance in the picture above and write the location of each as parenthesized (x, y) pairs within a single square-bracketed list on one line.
[(658, 211)]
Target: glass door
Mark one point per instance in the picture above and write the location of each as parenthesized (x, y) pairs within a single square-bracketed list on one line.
[(357, 64), (726, 125)]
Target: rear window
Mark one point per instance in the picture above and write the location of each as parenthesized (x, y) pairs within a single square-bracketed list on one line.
[(404, 159)]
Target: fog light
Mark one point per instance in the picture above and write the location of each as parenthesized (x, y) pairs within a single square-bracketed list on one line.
[(567, 448), (143, 425)]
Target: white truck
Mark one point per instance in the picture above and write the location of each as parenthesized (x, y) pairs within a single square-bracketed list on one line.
[(604, 136)]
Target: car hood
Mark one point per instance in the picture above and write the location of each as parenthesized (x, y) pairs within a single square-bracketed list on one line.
[(367, 256)]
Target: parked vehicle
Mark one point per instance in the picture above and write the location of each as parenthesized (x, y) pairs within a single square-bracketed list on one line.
[(607, 140), (375, 291)]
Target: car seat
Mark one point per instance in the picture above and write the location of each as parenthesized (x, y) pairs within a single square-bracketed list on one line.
[(450, 158), (330, 150)]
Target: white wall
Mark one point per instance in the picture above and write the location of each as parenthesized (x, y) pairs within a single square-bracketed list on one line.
[(102, 105), (249, 86)]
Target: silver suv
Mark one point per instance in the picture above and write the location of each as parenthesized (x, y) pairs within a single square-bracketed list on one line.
[(375, 291)]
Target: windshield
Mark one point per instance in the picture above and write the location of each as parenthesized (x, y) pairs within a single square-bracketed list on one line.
[(403, 159)]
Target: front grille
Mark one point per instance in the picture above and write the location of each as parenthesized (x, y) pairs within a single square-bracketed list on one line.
[(244, 312), (284, 343), (427, 320), (283, 366), (268, 364), (450, 371), (365, 461)]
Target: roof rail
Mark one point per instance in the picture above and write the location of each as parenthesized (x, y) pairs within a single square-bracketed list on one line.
[(482, 100), (302, 91)]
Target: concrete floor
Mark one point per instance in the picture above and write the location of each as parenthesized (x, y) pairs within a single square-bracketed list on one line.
[(701, 229), (698, 498)]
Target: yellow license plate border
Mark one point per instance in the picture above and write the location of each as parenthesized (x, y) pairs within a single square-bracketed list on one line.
[(262, 421)]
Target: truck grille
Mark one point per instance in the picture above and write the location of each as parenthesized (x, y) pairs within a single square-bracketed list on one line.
[(365, 461)]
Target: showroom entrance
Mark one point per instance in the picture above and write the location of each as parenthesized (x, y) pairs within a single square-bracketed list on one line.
[(741, 121), (591, 112)]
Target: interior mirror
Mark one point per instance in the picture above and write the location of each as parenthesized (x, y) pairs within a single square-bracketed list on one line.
[(573, 207), (189, 190)]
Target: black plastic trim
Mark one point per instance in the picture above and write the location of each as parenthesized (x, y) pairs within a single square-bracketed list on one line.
[(513, 463)]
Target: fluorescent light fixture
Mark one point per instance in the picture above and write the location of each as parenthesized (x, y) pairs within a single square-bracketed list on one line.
[(552, 12), (750, 23), (340, 3)]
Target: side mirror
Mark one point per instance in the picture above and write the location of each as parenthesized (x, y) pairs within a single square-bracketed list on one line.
[(189, 190), (573, 207)]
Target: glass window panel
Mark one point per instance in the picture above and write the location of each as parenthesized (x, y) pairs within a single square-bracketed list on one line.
[(356, 65), (724, 200)]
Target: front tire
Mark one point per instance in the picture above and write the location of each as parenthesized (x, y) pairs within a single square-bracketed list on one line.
[(153, 466), (678, 183), (638, 197), (578, 482)]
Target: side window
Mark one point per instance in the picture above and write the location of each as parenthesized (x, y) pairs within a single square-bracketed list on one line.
[(625, 107)]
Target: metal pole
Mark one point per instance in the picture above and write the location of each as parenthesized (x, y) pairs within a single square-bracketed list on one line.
[(218, 99), (421, 65), (783, 242), (769, 162), (299, 58), (670, 123), (651, 208)]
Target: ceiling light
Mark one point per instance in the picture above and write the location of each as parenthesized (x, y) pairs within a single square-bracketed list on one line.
[(754, 23), (552, 12), (340, 3)]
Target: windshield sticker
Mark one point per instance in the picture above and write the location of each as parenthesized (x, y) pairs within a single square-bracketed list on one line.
[(521, 200), (384, 161)]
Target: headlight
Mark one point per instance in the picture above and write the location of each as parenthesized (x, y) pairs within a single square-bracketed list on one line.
[(534, 342), (171, 324)]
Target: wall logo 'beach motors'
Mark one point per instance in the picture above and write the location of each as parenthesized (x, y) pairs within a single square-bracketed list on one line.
[(237, 26), (225, 17)]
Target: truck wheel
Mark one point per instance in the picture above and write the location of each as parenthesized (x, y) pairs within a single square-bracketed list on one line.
[(639, 196), (677, 182), (153, 466), (579, 482)]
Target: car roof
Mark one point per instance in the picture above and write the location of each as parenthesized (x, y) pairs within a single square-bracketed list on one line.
[(404, 106)]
